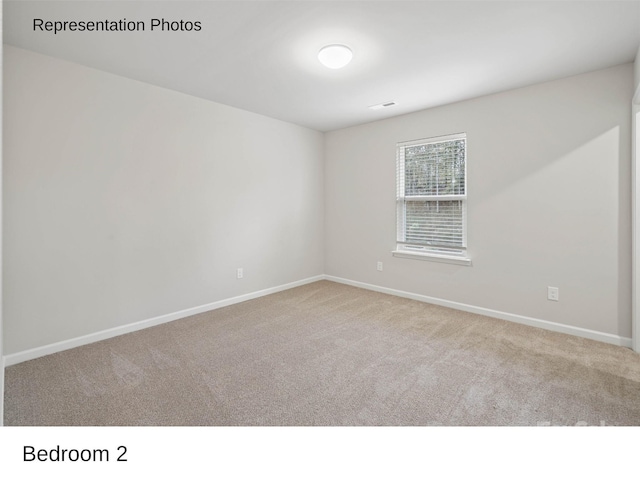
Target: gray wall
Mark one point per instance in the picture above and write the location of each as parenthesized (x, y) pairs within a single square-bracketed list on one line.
[(549, 196), (124, 201)]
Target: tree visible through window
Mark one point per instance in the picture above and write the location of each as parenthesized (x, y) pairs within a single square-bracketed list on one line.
[(431, 195)]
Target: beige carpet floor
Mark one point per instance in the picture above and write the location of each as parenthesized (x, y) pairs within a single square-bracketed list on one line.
[(330, 354)]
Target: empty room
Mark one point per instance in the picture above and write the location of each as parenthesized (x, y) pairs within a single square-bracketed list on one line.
[(320, 213)]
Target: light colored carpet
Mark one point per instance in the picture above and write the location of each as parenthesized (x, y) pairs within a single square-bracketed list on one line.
[(330, 354)]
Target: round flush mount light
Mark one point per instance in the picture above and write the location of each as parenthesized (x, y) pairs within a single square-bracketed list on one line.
[(335, 56)]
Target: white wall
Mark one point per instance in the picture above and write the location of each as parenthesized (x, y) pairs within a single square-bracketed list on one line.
[(548, 202), (124, 201), (1, 300), (635, 209), (636, 73)]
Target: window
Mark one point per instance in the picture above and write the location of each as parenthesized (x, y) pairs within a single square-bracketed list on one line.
[(432, 199)]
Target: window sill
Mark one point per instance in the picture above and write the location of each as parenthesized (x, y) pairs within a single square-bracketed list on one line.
[(432, 257)]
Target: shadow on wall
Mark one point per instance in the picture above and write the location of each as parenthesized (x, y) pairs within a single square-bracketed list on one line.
[(572, 207)]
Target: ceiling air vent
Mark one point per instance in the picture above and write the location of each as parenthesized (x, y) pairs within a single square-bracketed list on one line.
[(382, 105)]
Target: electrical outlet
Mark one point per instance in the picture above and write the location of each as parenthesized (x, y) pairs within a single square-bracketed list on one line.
[(379, 266), (240, 273), (553, 294)]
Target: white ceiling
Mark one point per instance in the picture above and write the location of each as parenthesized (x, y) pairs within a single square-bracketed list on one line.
[(261, 55)]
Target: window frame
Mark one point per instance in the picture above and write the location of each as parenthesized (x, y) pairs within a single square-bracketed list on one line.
[(405, 249)]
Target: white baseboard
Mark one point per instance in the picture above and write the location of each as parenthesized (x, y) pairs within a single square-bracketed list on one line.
[(33, 353), (23, 356), (532, 322)]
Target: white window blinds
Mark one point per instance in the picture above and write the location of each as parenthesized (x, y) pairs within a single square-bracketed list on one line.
[(431, 195)]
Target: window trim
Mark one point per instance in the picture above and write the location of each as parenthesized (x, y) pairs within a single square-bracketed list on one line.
[(433, 257), (404, 250)]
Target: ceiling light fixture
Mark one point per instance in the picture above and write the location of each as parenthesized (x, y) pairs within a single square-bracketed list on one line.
[(335, 56)]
